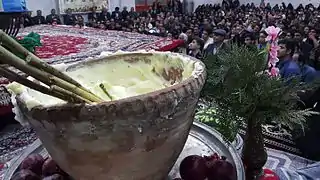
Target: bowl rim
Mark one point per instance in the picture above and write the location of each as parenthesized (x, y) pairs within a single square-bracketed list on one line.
[(201, 75)]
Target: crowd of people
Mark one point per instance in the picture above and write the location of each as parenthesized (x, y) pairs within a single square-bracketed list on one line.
[(211, 27)]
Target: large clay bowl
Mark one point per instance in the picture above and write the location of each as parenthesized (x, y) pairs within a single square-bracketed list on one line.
[(136, 138)]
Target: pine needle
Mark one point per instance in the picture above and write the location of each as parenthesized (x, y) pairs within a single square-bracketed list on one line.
[(235, 80)]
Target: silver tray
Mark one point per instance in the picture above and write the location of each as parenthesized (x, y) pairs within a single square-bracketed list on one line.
[(202, 140)]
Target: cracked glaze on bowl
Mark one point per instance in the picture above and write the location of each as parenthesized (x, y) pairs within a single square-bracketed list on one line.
[(136, 138)]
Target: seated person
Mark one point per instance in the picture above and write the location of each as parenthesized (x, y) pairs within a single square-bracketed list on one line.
[(27, 19), (39, 19), (69, 18), (80, 21), (133, 13), (93, 17), (154, 29), (104, 16), (124, 13), (116, 14), (53, 18)]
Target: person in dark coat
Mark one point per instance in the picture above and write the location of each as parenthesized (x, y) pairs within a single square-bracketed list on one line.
[(304, 48), (69, 18), (104, 16), (93, 17), (308, 141), (133, 13), (177, 6), (39, 19), (156, 6), (116, 14), (53, 17), (170, 5), (27, 19), (124, 13), (218, 42)]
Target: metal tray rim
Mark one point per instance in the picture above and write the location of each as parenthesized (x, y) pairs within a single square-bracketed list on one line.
[(235, 156), (237, 160)]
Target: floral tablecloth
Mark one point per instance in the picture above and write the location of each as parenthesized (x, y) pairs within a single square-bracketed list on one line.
[(65, 43)]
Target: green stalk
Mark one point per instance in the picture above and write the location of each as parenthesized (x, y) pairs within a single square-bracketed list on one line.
[(105, 91), (7, 57), (69, 94), (26, 82), (36, 62)]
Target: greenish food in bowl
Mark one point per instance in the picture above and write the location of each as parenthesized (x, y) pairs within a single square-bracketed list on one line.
[(121, 78)]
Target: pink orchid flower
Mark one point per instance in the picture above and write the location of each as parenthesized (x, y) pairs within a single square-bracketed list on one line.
[(273, 52), (272, 32), (273, 62), (272, 49), (274, 72)]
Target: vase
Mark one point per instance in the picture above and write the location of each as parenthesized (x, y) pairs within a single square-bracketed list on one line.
[(254, 154), (138, 138)]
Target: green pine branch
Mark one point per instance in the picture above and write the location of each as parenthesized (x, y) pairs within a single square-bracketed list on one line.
[(237, 84)]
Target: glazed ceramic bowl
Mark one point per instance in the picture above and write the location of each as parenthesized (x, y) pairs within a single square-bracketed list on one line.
[(136, 138)]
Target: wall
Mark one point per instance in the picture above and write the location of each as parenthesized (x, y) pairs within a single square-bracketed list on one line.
[(200, 2), (121, 4), (44, 5), (47, 5)]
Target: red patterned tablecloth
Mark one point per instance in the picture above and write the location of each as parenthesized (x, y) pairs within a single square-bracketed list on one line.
[(59, 45), (68, 44), (65, 43)]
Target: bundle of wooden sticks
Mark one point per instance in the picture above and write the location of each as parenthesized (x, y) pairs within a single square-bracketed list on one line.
[(56, 83)]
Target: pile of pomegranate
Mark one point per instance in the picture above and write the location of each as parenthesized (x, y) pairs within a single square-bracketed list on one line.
[(212, 167), (35, 167), (193, 167)]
